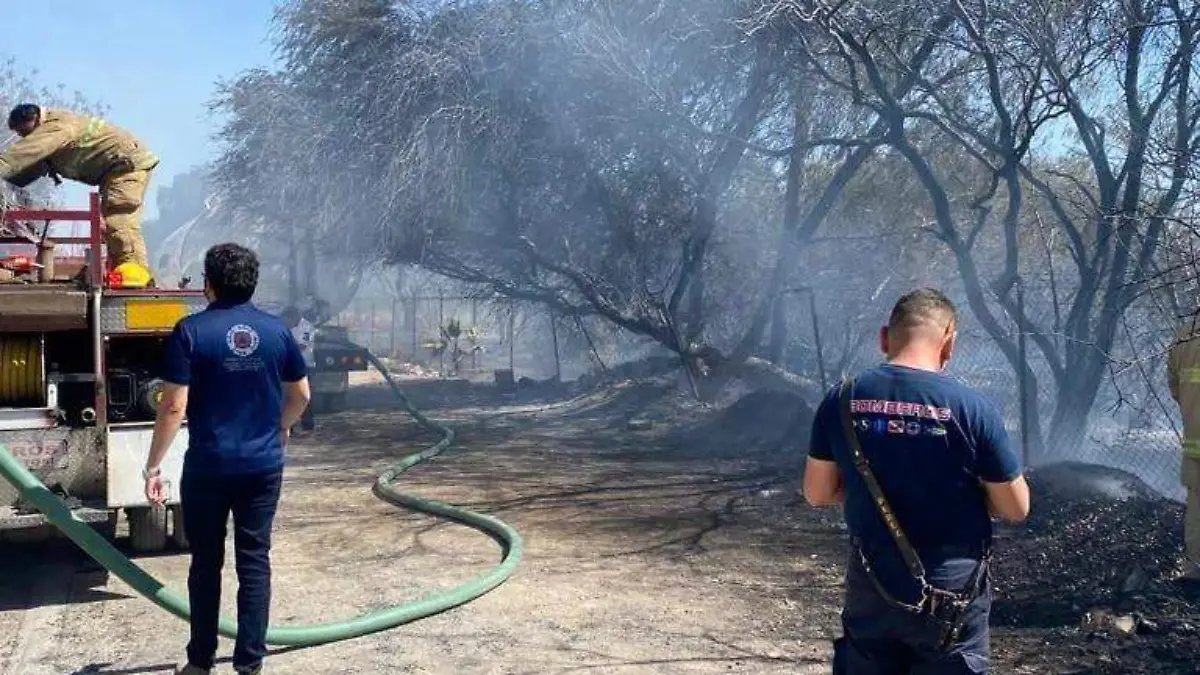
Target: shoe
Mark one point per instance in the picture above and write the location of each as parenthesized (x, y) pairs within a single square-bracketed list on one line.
[(256, 670), (189, 669)]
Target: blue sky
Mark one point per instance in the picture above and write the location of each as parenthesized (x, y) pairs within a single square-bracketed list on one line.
[(154, 63)]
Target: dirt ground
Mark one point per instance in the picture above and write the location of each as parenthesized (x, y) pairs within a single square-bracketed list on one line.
[(678, 549)]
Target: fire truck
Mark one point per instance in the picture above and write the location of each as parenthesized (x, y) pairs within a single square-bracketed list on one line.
[(79, 379)]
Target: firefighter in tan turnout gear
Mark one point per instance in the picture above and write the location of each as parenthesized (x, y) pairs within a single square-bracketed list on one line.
[(89, 150), (1183, 375)]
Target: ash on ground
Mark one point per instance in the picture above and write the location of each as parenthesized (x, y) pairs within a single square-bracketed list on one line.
[(1087, 585), (1084, 587)]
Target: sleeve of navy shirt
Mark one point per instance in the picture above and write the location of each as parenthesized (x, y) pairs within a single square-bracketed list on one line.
[(177, 360), (294, 368), (997, 460)]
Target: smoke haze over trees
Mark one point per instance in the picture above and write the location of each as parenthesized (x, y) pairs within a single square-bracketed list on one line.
[(685, 170)]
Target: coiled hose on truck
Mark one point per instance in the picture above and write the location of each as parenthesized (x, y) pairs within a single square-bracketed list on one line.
[(33, 491)]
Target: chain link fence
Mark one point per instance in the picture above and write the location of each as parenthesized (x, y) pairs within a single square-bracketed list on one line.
[(492, 335), (1133, 426)]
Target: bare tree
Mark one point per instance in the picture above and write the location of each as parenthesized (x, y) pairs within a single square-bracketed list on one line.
[(1122, 75)]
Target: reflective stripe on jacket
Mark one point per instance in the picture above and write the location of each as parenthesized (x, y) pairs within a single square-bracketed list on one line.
[(1183, 378), (78, 147)]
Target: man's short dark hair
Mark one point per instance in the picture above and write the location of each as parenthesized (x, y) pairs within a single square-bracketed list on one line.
[(22, 114), (232, 272), (922, 307)]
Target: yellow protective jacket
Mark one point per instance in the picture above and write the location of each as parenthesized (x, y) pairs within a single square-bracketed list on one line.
[(1183, 377), (78, 147)]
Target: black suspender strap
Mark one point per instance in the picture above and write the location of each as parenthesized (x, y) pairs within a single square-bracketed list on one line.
[(946, 607), (885, 510)]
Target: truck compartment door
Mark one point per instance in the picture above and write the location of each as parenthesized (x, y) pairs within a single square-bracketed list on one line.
[(128, 448)]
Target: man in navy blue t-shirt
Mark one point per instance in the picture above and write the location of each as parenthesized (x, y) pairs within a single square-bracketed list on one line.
[(240, 377), (940, 456)]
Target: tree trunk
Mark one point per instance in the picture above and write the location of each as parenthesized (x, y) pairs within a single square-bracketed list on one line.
[(779, 332), (759, 374), (1067, 425), (1073, 406), (312, 288), (789, 248), (714, 184), (293, 261), (1030, 424)]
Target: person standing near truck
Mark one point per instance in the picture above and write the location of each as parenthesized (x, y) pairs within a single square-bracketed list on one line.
[(1183, 378), (921, 462), (239, 375), (304, 332)]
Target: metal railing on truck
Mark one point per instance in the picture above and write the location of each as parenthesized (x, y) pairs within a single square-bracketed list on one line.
[(94, 241)]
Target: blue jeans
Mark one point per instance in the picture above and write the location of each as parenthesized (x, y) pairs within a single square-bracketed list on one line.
[(207, 502), (880, 639)]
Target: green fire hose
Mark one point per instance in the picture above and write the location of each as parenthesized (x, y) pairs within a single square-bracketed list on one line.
[(33, 491)]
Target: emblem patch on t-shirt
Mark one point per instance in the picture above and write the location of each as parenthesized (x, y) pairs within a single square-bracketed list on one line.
[(242, 340)]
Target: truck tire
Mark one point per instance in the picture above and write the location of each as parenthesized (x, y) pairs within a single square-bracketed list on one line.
[(320, 403), (108, 528), (95, 573), (178, 533), (337, 402), (147, 528)]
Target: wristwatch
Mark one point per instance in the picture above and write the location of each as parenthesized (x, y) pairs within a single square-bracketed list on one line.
[(147, 474)]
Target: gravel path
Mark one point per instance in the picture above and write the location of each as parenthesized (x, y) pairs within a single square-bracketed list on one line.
[(635, 563), (658, 551)]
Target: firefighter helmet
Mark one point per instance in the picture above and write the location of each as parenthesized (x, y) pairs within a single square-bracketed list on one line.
[(131, 275)]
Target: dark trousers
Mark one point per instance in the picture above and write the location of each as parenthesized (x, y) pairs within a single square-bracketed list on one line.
[(207, 502), (880, 639)]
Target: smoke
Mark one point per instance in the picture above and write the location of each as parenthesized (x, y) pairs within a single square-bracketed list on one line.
[(713, 180)]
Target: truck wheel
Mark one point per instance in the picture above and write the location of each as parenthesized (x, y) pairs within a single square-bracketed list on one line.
[(178, 534), (337, 402), (319, 403), (147, 528), (108, 528)]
